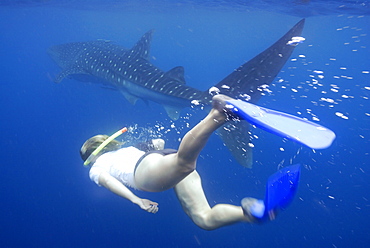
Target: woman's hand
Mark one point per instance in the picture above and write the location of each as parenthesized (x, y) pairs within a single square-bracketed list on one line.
[(148, 205)]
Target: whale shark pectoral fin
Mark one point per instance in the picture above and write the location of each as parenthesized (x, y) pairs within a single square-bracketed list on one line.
[(67, 72), (172, 112), (176, 73), (129, 97), (235, 136)]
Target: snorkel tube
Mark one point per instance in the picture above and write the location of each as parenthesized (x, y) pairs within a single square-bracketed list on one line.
[(104, 144)]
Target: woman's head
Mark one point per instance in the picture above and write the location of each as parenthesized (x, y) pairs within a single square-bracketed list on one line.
[(91, 144)]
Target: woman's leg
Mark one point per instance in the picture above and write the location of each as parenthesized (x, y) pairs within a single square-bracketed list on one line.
[(157, 173), (191, 196)]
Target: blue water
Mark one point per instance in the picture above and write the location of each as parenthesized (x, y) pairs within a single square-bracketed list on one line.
[(47, 199)]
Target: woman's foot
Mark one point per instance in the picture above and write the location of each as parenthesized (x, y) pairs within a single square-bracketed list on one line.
[(253, 209), (219, 103)]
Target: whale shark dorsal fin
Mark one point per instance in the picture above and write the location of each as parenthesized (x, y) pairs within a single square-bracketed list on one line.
[(129, 97), (67, 72), (142, 47), (176, 73), (172, 112)]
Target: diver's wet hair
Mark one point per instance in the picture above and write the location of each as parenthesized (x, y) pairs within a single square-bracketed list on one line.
[(91, 144)]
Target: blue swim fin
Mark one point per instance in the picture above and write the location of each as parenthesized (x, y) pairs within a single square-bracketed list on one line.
[(287, 126), (280, 190)]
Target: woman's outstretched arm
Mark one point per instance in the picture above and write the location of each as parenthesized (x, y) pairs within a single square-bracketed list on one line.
[(118, 188)]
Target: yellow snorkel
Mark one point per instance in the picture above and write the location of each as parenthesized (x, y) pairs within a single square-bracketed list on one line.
[(102, 145)]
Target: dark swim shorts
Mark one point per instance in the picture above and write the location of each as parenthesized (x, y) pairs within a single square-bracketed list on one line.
[(163, 152)]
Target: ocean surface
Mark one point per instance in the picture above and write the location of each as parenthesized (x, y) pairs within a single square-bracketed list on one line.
[(47, 198)]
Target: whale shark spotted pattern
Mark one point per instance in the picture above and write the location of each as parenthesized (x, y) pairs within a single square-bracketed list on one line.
[(131, 72)]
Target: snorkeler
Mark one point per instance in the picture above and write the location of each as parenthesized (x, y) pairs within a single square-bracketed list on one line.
[(154, 169)]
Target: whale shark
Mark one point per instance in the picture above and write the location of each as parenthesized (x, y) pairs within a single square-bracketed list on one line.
[(131, 72)]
